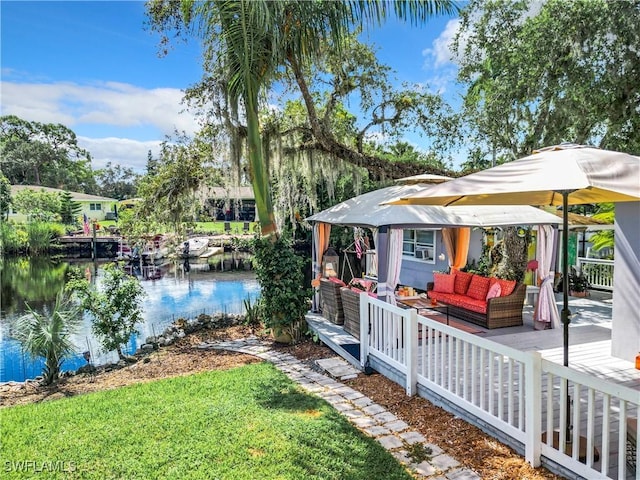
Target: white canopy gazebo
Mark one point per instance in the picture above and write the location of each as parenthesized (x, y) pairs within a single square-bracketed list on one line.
[(367, 211)]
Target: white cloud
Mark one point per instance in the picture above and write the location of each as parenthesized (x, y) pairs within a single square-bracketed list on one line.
[(115, 122), (440, 50), (107, 104), (123, 151)]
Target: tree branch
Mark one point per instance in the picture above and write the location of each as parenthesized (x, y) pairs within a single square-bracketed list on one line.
[(324, 141)]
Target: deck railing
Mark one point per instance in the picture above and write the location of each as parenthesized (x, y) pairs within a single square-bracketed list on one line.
[(517, 393), (598, 272)]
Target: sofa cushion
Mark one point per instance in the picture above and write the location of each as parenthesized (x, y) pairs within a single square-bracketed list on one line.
[(443, 283), (479, 287), (506, 286), (440, 296), (461, 284), (494, 290), (463, 301)]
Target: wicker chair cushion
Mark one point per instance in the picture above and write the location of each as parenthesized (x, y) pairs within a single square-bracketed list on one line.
[(461, 285), (479, 287), (443, 283), (337, 281), (363, 284)]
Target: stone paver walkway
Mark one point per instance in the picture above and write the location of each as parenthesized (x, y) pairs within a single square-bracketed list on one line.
[(371, 418)]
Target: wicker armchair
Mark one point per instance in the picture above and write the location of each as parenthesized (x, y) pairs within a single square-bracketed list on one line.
[(331, 301), (351, 306)]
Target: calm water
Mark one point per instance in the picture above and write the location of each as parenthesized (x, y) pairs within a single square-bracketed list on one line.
[(221, 286)]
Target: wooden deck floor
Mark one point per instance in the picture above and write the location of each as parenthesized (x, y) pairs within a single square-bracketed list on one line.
[(589, 340), (589, 349)]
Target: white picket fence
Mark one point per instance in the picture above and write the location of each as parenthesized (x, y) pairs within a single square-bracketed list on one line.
[(517, 393), (599, 272)]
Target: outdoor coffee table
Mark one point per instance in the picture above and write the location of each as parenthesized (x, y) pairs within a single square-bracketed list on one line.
[(425, 304)]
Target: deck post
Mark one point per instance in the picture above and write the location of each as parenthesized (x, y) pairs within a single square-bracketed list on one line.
[(411, 359), (533, 409), (364, 329), (94, 243)]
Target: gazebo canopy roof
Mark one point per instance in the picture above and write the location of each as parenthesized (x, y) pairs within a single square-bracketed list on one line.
[(366, 211)]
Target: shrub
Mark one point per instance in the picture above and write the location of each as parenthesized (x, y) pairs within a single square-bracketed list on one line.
[(115, 306), (283, 298), (13, 238)]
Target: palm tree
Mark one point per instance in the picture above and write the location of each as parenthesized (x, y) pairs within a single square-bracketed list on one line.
[(255, 40), (47, 334)]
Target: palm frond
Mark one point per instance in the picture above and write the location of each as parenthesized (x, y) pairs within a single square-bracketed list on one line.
[(47, 334)]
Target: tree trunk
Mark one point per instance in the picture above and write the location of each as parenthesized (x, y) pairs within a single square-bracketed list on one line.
[(259, 174)]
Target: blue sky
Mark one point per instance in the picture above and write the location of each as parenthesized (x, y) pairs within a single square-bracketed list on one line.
[(93, 67)]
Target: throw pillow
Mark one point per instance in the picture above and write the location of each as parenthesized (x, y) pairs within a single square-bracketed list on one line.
[(507, 286), (494, 291), (479, 287), (461, 285), (443, 282)]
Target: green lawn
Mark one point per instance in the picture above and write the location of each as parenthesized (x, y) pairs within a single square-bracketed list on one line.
[(218, 227), (204, 227), (246, 423)]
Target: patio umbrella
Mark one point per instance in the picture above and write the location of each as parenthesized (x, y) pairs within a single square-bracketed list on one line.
[(564, 175), (422, 178)]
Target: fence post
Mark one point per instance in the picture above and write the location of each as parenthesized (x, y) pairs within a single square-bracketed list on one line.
[(364, 329), (411, 357), (533, 408)]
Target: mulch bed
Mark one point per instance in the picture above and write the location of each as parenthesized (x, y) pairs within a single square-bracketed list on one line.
[(468, 444)]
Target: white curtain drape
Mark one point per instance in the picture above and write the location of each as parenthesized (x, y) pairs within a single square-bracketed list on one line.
[(393, 256), (546, 313)]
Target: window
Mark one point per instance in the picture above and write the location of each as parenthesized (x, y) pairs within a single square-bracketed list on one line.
[(419, 244), (95, 206)]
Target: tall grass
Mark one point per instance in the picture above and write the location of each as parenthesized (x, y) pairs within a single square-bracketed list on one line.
[(33, 238), (40, 235)]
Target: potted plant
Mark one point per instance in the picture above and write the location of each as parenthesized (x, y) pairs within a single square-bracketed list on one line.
[(578, 284)]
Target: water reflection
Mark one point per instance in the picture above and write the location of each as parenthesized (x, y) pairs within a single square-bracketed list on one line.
[(172, 291), (33, 280)]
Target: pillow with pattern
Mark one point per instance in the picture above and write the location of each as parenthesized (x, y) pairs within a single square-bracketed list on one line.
[(478, 287), (443, 282)]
